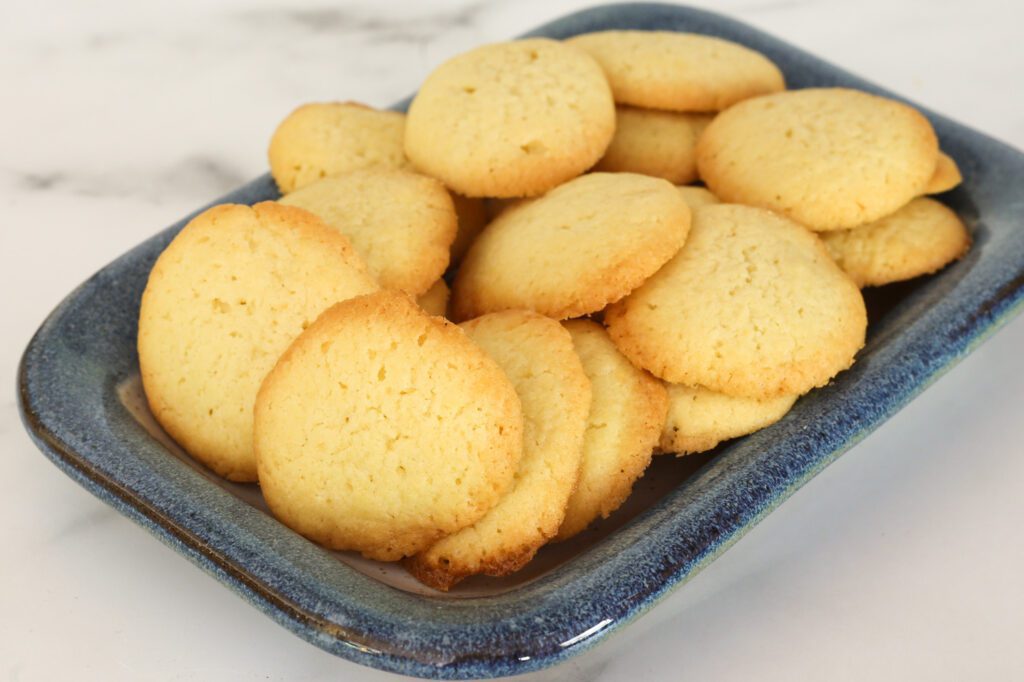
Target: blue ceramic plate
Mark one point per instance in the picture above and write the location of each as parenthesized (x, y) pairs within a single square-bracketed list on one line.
[(80, 401)]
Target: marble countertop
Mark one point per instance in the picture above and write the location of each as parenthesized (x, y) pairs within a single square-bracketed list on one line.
[(901, 561)]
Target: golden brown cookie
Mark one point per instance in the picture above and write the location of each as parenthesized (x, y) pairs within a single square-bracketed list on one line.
[(699, 419), (626, 416), (401, 223), (916, 240), (472, 214), (435, 300), (223, 301), (383, 429), (679, 71), (946, 175), (697, 197), (511, 119), (829, 158), (327, 138), (571, 252), (538, 357), (656, 143), (752, 306)]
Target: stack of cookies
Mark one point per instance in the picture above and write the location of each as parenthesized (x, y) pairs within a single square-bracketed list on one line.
[(603, 308)]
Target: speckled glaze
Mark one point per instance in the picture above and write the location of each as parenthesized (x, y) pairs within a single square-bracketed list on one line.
[(87, 347)]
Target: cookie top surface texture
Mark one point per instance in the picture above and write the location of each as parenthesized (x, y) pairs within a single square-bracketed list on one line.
[(829, 158), (383, 429), (537, 355), (321, 139), (679, 71), (752, 305), (916, 240), (657, 143), (627, 412), (221, 304), (511, 119), (571, 252), (401, 223)]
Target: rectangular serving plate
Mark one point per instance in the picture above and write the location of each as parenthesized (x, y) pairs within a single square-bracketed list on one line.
[(80, 402)]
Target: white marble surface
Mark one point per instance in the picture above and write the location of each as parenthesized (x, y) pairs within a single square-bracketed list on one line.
[(901, 561)]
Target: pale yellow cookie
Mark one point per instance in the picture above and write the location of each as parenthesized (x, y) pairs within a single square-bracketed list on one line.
[(435, 300), (511, 119), (679, 71), (657, 143), (946, 176), (698, 197), (751, 306), (473, 216), (538, 357), (401, 223), (699, 419), (327, 138), (223, 301), (626, 416), (574, 250), (916, 240), (829, 158), (383, 429)]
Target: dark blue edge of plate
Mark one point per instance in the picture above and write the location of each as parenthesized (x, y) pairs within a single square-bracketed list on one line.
[(66, 396)]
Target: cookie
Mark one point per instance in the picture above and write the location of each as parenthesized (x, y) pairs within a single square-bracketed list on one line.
[(511, 119), (679, 71), (571, 252), (699, 419), (627, 412), (472, 217), (829, 158), (221, 304), (946, 176), (401, 223), (435, 299), (538, 357), (382, 429), (327, 138), (920, 238), (697, 197), (752, 306), (657, 143)]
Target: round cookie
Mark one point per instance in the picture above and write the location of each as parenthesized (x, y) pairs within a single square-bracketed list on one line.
[(472, 217), (627, 412), (382, 429), (946, 176), (511, 119), (752, 306), (220, 306), (571, 252), (435, 300), (656, 143), (401, 223), (829, 158), (697, 197), (679, 71), (538, 357), (916, 240), (699, 419), (327, 138)]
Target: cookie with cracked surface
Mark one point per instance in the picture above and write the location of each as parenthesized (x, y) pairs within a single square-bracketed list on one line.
[(627, 412), (538, 357), (679, 71), (511, 119), (571, 252), (322, 139), (220, 306), (382, 429), (699, 419), (920, 238), (435, 299), (401, 223), (946, 176), (656, 143), (752, 306), (829, 158), (698, 197)]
